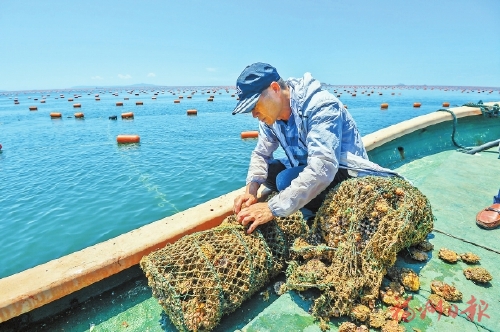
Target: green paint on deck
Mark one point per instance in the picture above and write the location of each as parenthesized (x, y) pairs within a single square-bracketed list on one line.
[(289, 313)]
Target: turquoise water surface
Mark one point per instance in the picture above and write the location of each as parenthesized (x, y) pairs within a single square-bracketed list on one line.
[(67, 184)]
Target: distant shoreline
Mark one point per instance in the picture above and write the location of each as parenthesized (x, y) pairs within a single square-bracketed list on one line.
[(201, 87)]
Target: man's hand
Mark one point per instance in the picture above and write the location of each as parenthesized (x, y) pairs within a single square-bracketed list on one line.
[(256, 214), (243, 201)]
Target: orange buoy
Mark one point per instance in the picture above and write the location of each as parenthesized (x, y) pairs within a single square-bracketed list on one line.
[(249, 134), (417, 105), (126, 139), (446, 104), (77, 105), (177, 101), (384, 105), (139, 103), (192, 112), (129, 115), (180, 97), (210, 99), (119, 103), (189, 97), (79, 115), (55, 115), (33, 108), (354, 95)]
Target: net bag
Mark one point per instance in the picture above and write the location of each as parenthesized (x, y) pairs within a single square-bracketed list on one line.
[(205, 275), (361, 226)]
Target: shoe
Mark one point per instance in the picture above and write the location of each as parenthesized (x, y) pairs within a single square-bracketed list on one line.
[(489, 218)]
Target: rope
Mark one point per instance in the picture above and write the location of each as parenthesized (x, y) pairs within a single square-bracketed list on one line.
[(485, 110), (461, 147), (493, 112)]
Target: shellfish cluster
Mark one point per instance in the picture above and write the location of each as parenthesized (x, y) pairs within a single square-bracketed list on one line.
[(470, 258), (447, 292), (448, 255), (407, 277), (477, 274)]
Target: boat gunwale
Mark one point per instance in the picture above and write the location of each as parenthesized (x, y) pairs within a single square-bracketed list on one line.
[(48, 282)]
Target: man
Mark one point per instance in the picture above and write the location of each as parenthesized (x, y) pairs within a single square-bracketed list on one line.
[(319, 137)]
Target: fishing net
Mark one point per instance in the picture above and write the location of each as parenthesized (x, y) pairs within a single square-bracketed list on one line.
[(205, 275), (362, 225), (356, 235)]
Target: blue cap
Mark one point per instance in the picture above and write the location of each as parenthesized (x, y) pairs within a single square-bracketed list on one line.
[(252, 81)]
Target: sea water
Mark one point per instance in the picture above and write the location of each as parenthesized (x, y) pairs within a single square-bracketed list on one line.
[(66, 184)]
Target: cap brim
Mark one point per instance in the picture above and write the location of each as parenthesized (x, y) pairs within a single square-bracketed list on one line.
[(246, 105)]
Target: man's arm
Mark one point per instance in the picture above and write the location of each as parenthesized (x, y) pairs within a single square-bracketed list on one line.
[(257, 172), (261, 155), (324, 141)]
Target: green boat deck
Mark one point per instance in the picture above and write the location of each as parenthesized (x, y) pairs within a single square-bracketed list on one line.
[(458, 186)]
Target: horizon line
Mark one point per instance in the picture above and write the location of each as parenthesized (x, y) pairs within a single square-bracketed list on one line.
[(146, 85)]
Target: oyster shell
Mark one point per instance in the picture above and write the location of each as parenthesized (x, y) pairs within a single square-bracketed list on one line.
[(418, 255), (347, 327), (360, 312), (477, 274), (449, 293), (448, 255), (440, 304), (470, 258), (392, 326), (425, 246), (377, 319)]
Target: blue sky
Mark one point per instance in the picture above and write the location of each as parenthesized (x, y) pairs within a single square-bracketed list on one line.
[(59, 44)]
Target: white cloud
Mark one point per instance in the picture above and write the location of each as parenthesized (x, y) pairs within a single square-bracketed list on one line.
[(151, 75), (124, 77), (97, 77), (211, 69)]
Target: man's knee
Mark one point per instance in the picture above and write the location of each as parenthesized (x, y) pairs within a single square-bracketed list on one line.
[(286, 176), (274, 168)]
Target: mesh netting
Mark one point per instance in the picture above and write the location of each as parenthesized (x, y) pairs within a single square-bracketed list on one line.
[(360, 228), (356, 235), (205, 275)]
